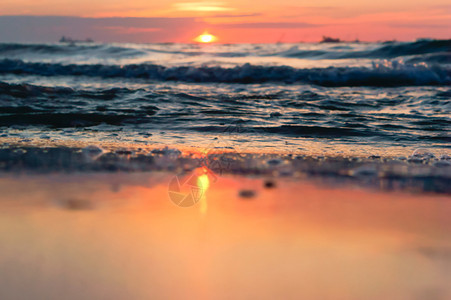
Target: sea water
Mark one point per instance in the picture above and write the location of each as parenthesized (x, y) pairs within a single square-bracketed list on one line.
[(377, 100)]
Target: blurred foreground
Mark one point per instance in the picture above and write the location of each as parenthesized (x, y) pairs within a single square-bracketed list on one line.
[(118, 236)]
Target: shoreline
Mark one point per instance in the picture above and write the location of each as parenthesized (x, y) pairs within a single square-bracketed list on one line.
[(213, 144), (421, 172)]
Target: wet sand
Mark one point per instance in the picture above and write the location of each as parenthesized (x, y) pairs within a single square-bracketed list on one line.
[(119, 236)]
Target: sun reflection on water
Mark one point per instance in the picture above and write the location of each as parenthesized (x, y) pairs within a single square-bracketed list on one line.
[(203, 182)]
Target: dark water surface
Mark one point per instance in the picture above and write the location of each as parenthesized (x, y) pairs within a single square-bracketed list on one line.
[(365, 97)]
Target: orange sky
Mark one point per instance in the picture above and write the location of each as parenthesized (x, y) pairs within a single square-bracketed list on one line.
[(261, 21)]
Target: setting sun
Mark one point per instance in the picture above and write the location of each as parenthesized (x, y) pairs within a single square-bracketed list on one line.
[(205, 38)]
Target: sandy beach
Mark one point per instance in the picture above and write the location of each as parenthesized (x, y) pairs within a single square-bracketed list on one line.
[(117, 236)]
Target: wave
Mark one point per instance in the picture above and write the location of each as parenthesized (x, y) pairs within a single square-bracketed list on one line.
[(96, 50), (40, 48), (388, 50), (24, 90), (387, 74), (362, 114), (394, 49), (435, 58)]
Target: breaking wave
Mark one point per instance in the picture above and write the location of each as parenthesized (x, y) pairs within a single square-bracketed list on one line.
[(386, 74), (386, 50)]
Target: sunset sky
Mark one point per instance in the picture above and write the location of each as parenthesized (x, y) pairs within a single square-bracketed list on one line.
[(233, 21)]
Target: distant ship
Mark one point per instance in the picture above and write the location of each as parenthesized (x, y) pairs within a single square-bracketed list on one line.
[(328, 39), (65, 39)]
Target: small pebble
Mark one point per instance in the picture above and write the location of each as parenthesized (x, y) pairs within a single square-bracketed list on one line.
[(422, 153), (247, 193), (415, 160), (92, 152), (269, 184), (124, 152), (374, 157), (364, 171), (76, 204), (274, 162), (92, 149)]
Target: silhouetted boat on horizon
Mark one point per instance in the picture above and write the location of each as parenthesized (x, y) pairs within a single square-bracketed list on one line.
[(65, 39), (328, 39)]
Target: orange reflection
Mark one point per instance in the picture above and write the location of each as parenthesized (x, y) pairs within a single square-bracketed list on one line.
[(394, 245), (188, 189), (203, 183)]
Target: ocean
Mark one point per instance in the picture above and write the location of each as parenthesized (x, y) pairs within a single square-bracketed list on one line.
[(347, 100)]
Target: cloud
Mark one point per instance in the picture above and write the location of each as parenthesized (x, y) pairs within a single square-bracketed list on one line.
[(416, 25), (51, 28), (130, 30), (202, 6), (269, 25), (237, 16), (444, 8)]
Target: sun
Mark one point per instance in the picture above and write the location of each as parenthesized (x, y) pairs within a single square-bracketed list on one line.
[(206, 38)]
